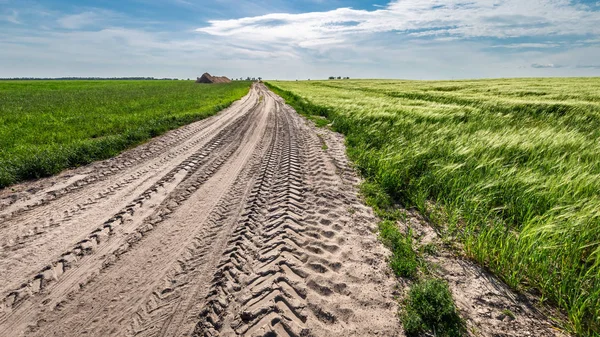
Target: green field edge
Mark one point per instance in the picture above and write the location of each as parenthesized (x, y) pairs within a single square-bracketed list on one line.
[(538, 235), (52, 161)]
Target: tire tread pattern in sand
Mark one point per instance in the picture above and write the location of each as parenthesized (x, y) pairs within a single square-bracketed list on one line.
[(101, 236), (273, 295)]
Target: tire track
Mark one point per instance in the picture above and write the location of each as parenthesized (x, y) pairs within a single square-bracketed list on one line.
[(285, 270), (68, 219), (261, 269), (106, 169), (171, 303), (171, 309), (171, 191), (124, 161)]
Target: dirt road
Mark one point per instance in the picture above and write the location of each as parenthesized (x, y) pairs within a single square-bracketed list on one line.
[(241, 224)]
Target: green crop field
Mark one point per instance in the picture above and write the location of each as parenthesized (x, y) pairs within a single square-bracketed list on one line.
[(47, 126), (509, 167)]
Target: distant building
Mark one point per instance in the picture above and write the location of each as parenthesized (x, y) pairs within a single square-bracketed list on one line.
[(208, 78)]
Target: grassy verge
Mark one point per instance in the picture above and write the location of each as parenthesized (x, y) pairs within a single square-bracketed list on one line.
[(429, 306), (511, 166), (404, 260), (47, 126)]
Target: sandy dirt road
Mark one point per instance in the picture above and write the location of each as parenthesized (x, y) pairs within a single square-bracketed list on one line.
[(238, 225)]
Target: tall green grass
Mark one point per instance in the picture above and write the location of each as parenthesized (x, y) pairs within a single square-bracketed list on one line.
[(47, 126), (513, 165)]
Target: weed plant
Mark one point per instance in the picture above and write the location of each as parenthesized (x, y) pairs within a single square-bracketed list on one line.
[(429, 307), (404, 260)]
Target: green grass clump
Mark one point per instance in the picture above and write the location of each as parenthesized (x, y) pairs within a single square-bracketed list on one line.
[(320, 121), (404, 260), (430, 307), (514, 163), (47, 126)]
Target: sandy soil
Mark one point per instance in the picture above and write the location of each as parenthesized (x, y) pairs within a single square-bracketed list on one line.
[(239, 225), (488, 306)]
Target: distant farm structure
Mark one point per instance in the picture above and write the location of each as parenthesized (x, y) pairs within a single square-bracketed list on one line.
[(208, 78)]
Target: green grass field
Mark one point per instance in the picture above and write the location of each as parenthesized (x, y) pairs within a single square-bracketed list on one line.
[(509, 167), (47, 126)]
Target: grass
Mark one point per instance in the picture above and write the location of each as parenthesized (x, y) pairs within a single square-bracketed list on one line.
[(512, 165), (426, 292), (320, 122), (430, 307), (404, 260), (47, 126)]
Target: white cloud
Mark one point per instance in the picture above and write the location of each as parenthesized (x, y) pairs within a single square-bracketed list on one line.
[(90, 18), (13, 17), (545, 65), (77, 21), (135, 52), (588, 66), (415, 18), (527, 45)]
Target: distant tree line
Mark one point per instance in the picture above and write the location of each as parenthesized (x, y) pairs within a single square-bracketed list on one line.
[(338, 78), (85, 78)]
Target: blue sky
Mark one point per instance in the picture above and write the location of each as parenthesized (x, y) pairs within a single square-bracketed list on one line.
[(415, 39)]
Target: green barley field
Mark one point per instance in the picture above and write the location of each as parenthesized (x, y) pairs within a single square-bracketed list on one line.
[(47, 126), (510, 168)]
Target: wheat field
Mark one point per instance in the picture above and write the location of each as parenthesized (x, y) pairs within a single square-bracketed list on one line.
[(509, 168)]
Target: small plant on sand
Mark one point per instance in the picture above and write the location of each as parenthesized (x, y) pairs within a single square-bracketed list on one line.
[(430, 307), (404, 260), (320, 122), (324, 146), (509, 313)]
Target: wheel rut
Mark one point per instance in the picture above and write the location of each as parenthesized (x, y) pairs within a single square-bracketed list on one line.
[(241, 225), (110, 239), (53, 225)]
